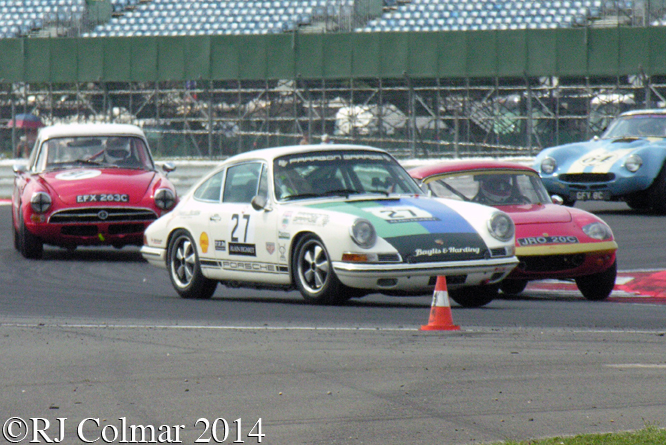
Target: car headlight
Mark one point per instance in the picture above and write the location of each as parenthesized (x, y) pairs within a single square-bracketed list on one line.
[(598, 231), (363, 233), (501, 226), (40, 202), (164, 199), (548, 165), (633, 163)]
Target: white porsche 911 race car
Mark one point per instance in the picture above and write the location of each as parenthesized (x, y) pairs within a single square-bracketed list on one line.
[(334, 222)]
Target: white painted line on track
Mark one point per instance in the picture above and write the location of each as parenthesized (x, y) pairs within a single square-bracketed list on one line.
[(475, 329), (638, 366), (231, 328)]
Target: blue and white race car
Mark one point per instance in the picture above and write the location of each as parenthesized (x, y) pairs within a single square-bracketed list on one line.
[(626, 163)]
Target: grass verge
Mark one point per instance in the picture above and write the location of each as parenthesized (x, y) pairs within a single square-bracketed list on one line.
[(650, 435)]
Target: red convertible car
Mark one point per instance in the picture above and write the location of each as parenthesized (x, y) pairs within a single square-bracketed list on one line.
[(88, 184), (552, 241)]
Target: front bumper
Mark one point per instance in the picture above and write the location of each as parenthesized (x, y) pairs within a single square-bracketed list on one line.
[(154, 255), (596, 190), (563, 261), (396, 276)]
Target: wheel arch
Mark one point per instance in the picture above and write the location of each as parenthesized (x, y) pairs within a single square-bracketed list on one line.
[(292, 247)]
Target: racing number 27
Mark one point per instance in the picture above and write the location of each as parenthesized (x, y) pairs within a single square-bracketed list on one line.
[(237, 222)]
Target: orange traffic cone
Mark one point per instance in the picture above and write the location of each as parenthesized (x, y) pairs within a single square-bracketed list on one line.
[(440, 311)]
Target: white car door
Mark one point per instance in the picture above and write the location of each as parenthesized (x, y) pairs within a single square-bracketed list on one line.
[(246, 241)]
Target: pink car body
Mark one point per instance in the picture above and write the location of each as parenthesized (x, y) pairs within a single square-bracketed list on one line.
[(552, 241)]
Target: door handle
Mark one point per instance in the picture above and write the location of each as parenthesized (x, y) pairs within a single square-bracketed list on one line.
[(216, 218)]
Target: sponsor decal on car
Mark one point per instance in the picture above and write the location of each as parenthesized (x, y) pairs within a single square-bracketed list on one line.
[(220, 246), (446, 250), (203, 242), (282, 249), (310, 219), (270, 248), (77, 175), (286, 217), (242, 249), (249, 266)]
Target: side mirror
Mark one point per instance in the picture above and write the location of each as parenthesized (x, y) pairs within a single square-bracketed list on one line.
[(19, 169), (168, 167), (557, 199), (259, 202)]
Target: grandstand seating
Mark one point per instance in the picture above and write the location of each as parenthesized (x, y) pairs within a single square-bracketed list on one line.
[(20, 18), (454, 15)]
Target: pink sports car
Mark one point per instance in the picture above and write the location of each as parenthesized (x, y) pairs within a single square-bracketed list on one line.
[(552, 241), (88, 184)]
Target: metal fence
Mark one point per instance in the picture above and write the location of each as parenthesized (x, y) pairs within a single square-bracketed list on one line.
[(409, 117)]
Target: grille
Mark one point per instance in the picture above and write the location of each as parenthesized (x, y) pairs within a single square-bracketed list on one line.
[(552, 263), (587, 177), (89, 230), (388, 258), (96, 215), (93, 230), (500, 251), (453, 279), (123, 229)]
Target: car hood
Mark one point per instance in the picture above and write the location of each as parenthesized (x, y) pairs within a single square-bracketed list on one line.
[(600, 156), (73, 183), (537, 214), (421, 229)]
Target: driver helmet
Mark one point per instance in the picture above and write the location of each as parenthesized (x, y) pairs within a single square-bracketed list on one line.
[(117, 149), (495, 188)]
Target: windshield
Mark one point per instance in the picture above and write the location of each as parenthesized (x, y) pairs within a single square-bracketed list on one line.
[(637, 126), (103, 151), (339, 173), (491, 188)]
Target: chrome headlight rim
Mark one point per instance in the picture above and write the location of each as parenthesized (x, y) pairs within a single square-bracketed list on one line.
[(548, 165), (501, 227), (598, 231), (165, 199), (40, 202), (363, 233), (633, 163)]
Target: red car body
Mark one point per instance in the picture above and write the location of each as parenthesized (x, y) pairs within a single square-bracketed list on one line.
[(552, 241), (74, 192)]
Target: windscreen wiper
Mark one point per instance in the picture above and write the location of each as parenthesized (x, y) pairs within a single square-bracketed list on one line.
[(301, 196), (341, 192)]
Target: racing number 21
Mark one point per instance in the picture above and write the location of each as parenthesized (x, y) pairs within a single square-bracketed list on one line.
[(237, 222)]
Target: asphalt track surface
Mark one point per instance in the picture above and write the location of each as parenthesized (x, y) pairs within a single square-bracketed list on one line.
[(99, 334)]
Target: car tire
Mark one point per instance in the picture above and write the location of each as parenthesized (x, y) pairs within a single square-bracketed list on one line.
[(314, 275), (15, 233), (657, 193), (513, 287), (598, 286), (30, 246), (638, 201), (474, 296), (185, 269)]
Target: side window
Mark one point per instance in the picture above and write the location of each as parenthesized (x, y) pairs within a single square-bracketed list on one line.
[(210, 190), (242, 182)]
